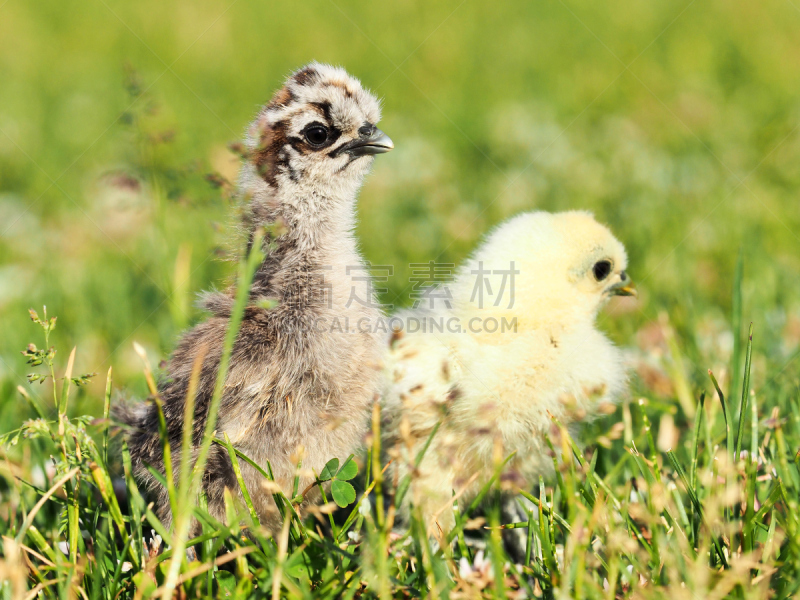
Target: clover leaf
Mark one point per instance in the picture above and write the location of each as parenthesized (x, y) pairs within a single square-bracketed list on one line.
[(348, 471), (329, 472), (343, 493)]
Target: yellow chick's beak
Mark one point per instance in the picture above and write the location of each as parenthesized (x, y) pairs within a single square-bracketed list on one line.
[(624, 287)]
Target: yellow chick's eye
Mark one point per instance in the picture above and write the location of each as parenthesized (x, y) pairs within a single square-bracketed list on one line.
[(601, 269)]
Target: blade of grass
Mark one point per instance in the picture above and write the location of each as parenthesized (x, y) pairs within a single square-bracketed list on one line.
[(331, 520), (73, 507), (728, 440), (62, 405), (748, 527), (280, 498), (135, 500), (32, 514), (774, 496), (402, 488), (296, 482), (377, 473), (167, 554), (696, 439), (188, 418), (460, 538), (33, 402), (277, 574), (548, 553), (242, 487), (479, 498), (736, 326), (247, 269), (495, 544), (41, 543), (542, 508), (695, 501), (166, 448), (745, 395), (769, 543), (106, 412), (648, 429), (103, 482), (560, 483), (677, 368), (572, 485), (281, 501), (529, 539), (655, 554)]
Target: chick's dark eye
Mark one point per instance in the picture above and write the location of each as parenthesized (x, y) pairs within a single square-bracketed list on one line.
[(316, 135), (601, 269)]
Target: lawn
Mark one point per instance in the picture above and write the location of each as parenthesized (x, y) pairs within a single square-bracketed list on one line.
[(677, 124)]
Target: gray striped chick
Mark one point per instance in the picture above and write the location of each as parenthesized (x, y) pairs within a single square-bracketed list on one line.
[(298, 380)]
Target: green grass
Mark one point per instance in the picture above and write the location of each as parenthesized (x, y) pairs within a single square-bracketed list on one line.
[(703, 516), (676, 123)]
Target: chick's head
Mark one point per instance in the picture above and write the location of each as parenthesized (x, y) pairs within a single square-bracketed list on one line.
[(546, 270), (317, 134)]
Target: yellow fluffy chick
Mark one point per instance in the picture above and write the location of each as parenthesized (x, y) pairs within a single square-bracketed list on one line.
[(510, 342)]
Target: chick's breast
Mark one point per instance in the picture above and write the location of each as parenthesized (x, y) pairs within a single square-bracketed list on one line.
[(493, 397)]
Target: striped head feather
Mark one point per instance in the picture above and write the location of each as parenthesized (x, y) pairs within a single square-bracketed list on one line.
[(317, 136)]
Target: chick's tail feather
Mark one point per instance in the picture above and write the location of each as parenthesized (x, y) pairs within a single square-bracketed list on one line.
[(128, 413), (144, 446)]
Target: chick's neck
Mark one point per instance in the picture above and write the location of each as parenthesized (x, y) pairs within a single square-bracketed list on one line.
[(309, 239)]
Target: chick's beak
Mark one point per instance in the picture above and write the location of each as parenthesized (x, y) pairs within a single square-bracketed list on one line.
[(375, 142), (624, 287)]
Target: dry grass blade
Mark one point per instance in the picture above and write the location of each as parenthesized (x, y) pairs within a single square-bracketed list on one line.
[(189, 575), (53, 489)]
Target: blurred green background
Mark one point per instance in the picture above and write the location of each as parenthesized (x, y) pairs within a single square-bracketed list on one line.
[(675, 122)]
